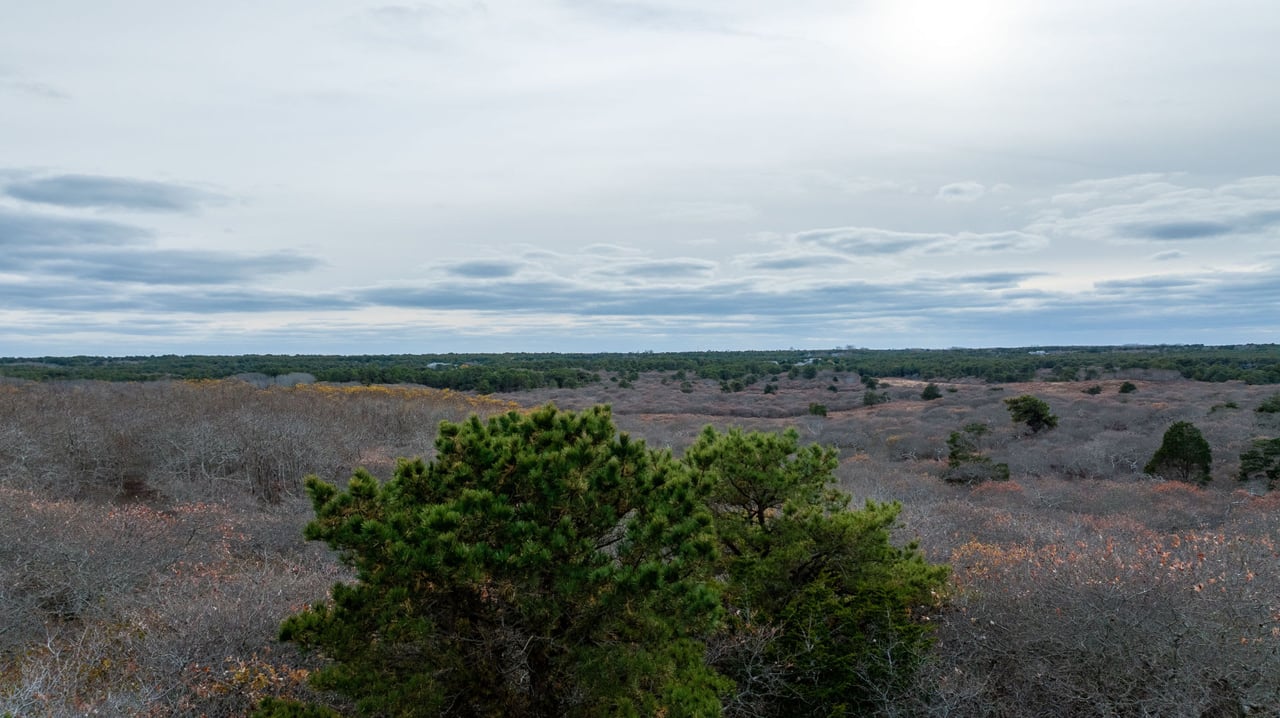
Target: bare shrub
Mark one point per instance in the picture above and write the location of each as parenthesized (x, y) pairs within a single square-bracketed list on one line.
[(143, 569), (210, 440), (1114, 625), (120, 609)]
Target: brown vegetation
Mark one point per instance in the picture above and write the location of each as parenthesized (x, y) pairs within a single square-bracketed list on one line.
[(150, 534)]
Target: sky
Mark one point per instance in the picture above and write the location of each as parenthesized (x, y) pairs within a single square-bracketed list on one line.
[(339, 176)]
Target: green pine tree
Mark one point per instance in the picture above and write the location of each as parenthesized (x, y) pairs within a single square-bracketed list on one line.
[(542, 565), (1033, 412), (823, 610), (1261, 459), (1183, 455)]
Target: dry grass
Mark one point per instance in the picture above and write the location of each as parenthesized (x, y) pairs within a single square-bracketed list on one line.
[(151, 533)]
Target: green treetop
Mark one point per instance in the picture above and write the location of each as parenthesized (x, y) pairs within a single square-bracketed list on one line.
[(1184, 454), (823, 611), (1261, 459), (1033, 412), (542, 565), (546, 565)]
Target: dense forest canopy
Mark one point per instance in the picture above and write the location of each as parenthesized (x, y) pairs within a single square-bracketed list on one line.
[(486, 373)]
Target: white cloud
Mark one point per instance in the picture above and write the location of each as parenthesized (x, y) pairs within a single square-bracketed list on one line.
[(869, 241), (509, 169), (1161, 211)]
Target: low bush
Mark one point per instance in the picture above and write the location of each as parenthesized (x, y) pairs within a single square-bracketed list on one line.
[(1262, 459), (1184, 455), (874, 398)]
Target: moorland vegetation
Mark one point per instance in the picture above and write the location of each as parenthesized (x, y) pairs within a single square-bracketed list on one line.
[(153, 538)]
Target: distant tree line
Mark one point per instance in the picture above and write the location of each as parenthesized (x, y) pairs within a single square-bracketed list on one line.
[(486, 373)]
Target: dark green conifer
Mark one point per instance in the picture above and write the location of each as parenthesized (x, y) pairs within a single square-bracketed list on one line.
[(823, 611), (541, 565), (1183, 455)]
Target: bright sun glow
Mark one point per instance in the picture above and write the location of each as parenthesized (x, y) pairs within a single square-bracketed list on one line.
[(940, 42)]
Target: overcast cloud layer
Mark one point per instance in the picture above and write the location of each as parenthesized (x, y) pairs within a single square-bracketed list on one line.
[(610, 175)]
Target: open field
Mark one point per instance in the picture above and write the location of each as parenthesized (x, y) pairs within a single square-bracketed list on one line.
[(151, 533)]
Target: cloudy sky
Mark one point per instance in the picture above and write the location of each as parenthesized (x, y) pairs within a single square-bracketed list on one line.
[(326, 176)]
